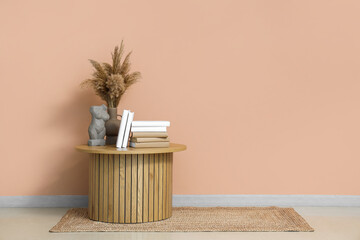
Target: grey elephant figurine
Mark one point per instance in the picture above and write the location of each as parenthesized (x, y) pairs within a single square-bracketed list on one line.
[(97, 126)]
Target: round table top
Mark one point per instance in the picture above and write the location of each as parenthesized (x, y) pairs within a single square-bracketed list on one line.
[(111, 149)]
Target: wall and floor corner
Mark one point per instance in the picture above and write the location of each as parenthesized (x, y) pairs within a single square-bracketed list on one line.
[(265, 94), (196, 201)]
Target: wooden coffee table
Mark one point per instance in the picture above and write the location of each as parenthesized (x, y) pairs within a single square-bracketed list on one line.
[(132, 185)]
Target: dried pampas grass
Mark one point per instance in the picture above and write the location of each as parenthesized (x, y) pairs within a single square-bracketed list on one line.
[(111, 81)]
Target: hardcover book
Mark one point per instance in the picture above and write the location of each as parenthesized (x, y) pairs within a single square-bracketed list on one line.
[(127, 129), (148, 129), (121, 134), (149, 144), (149, 134), (139, 140), (150, 124)]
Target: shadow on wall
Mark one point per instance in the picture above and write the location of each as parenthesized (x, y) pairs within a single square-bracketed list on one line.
[(66, 169)]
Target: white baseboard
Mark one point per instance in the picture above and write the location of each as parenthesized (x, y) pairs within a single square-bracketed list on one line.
[(44, 201), (267, 200), (197, 200)]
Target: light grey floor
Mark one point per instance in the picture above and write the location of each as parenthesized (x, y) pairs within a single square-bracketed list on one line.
[(34, 223)]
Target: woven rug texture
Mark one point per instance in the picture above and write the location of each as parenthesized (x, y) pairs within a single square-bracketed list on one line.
[(196, 219)]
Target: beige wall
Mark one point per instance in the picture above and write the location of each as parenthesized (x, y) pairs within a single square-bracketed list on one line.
[(265, 94)]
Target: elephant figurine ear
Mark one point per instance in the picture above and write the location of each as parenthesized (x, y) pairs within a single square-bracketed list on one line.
[(104, 107)]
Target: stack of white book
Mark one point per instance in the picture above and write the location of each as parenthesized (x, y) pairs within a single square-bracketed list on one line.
[(124, 130), (149, 134), (144, 133)]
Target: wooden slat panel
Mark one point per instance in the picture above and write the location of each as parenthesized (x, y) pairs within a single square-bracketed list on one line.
[(90, 194), (94, 183), (164, 185), (91, 186), (111, 189), (134, 187), (156, 188), (166, 197), (101, 188), (171, 181), (146, 189), (161, 184), (116, 187), (151, 186), (122, 199), (128, 190), (169, 185), (140, 187), (97, 181), (106, 186)]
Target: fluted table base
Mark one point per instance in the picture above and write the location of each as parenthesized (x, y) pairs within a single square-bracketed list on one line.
[(130, 188)]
